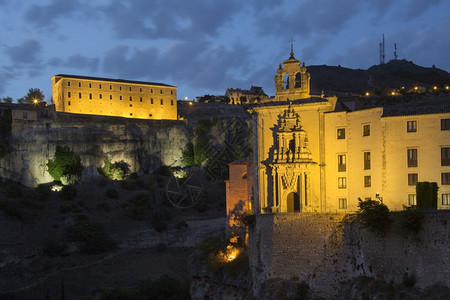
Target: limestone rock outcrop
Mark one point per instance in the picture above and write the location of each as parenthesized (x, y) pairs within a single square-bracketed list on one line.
[(143, 144)]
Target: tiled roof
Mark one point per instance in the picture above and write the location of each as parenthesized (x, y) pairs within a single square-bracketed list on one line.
[(393, 111), (113, 80)]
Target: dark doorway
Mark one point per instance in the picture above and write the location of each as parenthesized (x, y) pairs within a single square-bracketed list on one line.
[(293, 202)]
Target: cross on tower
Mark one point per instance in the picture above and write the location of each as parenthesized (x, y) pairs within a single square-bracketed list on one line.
[(292, 46)]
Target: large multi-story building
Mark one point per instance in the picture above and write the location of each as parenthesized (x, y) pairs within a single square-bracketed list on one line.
[(114, 97), (311, 153)]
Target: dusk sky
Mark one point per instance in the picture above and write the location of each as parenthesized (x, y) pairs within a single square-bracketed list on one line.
[(207, 46)]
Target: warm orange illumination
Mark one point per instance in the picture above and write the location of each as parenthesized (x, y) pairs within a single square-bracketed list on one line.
[(35, 101), (392, 93), (446, 87), (232, 253), (367, 94), (434, 87), (416, 88)]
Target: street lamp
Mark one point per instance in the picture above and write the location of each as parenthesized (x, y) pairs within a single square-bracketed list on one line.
[(377, 195)]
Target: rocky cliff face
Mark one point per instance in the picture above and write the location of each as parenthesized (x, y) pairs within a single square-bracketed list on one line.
[(144, 145)]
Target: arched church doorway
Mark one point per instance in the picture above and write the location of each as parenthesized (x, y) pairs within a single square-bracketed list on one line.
[(293, 202)]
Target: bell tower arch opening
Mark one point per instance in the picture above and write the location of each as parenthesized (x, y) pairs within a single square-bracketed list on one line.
[(293, 202)]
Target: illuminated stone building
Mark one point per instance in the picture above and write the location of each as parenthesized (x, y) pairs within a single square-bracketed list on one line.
[(239, 188), (240, 96), (114, 97), (311, 155)]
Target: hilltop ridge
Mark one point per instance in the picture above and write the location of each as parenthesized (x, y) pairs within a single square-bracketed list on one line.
[(380, 79)]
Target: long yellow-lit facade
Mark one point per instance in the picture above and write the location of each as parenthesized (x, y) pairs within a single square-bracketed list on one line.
[(114, 97), (310, 155)]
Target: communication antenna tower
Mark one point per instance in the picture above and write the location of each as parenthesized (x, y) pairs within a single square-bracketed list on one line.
[(395, 51), (382, 51)]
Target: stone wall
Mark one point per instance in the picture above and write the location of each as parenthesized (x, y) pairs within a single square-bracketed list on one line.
[(325, 251), (143, 144)]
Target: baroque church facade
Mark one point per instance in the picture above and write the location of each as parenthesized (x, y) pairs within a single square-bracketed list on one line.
[(313, 154)]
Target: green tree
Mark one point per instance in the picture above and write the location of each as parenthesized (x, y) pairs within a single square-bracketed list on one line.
[(373, 215), (65, 164), (34, 96), (6, 100)]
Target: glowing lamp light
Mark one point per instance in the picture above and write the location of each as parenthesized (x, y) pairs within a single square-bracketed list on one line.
[(367, 94), (447, 87), (416, 88), (434, 87), (186, 98), (392, 93), (35, 101)]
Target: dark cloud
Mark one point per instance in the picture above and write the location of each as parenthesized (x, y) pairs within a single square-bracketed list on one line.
[(77, 61), (169, 18), (47, 15), (26, 53), (198, 65), (308, 16)]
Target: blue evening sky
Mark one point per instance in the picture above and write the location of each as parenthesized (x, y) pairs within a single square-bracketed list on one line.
[(207, 46)]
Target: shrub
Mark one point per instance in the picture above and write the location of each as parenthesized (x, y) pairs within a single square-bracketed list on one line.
[(92, 236), (163, 171), (411, 219), (65, 163), (159, 224), (103, 206), (67, 192), (427, 194), (112, 193), (115, 171), (138, 205), (54, 249), (42, 192), (13, 189), (373, 215), (13, 209), (128, 185)]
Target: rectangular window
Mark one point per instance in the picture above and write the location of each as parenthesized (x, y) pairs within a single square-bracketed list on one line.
[(162, 102), (366, 130), (110, 97), (140, 99), (445, 178), (411, 126), (161, 91), (412, 200), (412, 158), (120, 97), (130, 88), (100, 86), (342, 182), (367, 181), (79, 95), (412, 178), (90, 96), (342, 203), (68, 94), (25, 115), (445, 124), (140, 90), (445, 199), (131, 98), (90, 85), (68, 83), (171, 102), (100, 96), (68, 103), (445, 156), (342, 163), (79, 84), (110, 87), (366, 160), (151, 101), (341, 133), (151, 90), (120, 87)]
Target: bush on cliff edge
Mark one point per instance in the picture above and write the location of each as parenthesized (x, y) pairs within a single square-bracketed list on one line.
[(374, 216), (65, 164)]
